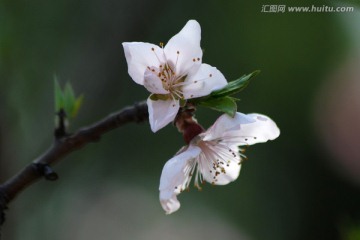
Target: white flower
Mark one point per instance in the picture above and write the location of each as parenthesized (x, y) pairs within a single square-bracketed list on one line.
[(214, 155), (172, 73)]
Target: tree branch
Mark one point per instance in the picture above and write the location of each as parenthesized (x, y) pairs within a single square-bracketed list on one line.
[(62, 147)]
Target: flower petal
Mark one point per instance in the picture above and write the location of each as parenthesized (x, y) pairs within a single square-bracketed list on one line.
[(162, 112), (183, 50), (153, 83), (225, 172), (262, 130), (169, 205), (139, 56), (203, 82), (174, 175), (226, 123)]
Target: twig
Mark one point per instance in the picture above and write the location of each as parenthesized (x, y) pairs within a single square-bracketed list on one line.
[(60, 131), (62, 147)]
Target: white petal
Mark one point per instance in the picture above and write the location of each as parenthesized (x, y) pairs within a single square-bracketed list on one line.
[(226, 123), (259, 131), (153, 82), (175, 174), (262, 130), (169, 205), (203, 82), (228, 172), (183, 50), (139, 56), (162, 112)]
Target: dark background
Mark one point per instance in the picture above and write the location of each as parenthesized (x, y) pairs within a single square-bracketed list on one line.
[(304, 185)]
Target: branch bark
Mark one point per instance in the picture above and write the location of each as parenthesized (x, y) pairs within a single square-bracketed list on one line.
[(63, 146)]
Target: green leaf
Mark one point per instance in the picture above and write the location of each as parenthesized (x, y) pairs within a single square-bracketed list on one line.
[(77, 106), (65, 99), (223, 104), (59, 96), (70, 91), (69, 99), (234, 86), (230, 89)]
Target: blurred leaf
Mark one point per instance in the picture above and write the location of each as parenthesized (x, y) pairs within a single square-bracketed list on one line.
[(59, 96), (224, 104), (77, 106), (66, 99), (69, 99)]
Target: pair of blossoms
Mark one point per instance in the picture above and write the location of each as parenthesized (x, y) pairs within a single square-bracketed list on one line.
[(173, 74)]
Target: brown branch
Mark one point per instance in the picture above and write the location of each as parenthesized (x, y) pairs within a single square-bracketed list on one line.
[(62, 147)]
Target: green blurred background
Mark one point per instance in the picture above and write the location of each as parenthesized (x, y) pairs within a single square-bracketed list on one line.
[(304, 185)]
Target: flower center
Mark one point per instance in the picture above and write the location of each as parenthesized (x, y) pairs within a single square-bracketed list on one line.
[(171, 82), (166, 72)]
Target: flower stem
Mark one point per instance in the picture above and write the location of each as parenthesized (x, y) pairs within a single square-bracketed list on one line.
[(187, 124)]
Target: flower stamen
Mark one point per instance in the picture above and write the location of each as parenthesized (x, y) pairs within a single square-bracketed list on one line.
[(157, 57)]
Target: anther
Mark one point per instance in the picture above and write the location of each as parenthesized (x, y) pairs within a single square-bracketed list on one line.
[(161, 44), (210, 75), (194, 59), (178, 52), (152, 49)]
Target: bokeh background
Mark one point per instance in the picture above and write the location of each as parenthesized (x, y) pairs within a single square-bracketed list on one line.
[(304, 185)]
